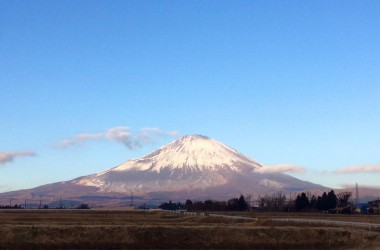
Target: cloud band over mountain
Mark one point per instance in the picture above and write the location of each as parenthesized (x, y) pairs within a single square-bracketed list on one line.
[(121, 134), (79, 140), (280, 168), (359, 169)]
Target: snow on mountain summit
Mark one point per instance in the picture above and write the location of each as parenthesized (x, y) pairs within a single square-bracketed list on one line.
[(193, 152), (191, 164)]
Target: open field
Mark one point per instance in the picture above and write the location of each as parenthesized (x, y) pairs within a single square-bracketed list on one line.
[(97, 229)]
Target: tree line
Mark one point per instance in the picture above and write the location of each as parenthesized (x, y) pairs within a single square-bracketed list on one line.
[(234, 204), (16, 206), (11, 207), (327, 202), (306, 202)]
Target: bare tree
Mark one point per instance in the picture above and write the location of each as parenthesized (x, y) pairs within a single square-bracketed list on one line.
[(343, 198)]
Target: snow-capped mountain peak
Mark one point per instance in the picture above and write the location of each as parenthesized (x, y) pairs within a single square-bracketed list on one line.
[(191, 164), (195, 152)]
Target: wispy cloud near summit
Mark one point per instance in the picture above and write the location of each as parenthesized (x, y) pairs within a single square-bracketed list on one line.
[(135, 140), (121, 134), (79, 140), (359, 169), (6, 157), (280, 168)]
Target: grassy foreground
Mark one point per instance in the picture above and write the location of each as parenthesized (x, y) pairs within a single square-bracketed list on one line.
[(94, 229)]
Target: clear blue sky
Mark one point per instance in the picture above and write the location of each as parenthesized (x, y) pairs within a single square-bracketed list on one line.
[(284, 82)]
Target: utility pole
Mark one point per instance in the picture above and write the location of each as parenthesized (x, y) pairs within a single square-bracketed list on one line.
[(356, 194), (131, 198)]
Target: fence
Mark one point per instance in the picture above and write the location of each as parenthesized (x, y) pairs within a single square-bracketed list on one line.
[(230, 217)]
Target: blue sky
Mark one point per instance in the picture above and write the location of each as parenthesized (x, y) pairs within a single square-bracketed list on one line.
[(284, 82)]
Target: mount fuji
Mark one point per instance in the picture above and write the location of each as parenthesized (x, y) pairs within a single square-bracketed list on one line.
[(192, 167)]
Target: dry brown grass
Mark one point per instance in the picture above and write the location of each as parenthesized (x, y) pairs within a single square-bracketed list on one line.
[(145, 230)]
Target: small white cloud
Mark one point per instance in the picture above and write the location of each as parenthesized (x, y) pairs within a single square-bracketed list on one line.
[(121, 134), (159, 132), (134, 140), (156, 131), (359, 169), (280, 168), (79, 140), (173, 133), (149, 135), (6, 157)]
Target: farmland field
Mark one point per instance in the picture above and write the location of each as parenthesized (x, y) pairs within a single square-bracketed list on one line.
[(123, 229)]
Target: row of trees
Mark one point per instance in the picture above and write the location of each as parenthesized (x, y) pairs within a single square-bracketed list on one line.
[(324, 203), (11, 207), (234, 204), (327, 202), (81, 206), (305, 202), (276, 202)]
